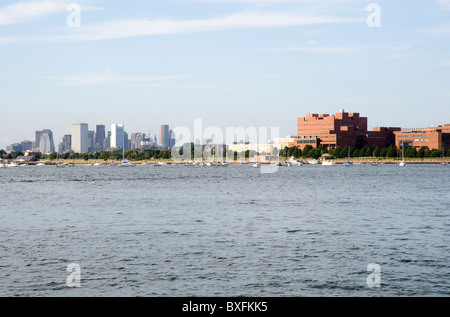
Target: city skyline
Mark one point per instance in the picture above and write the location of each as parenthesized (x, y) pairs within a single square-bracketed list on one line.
[(341, 129), (230, 63)]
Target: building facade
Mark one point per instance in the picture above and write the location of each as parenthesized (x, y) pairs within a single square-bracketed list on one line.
[(91, 141), (100, 135), (433, 138), (66, 144), (80, 138), (117, 139), (137, 140), (340, 130), (164, 138), (46, 143)]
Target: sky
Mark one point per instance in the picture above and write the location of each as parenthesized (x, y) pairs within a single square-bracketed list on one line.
[(230, 63)]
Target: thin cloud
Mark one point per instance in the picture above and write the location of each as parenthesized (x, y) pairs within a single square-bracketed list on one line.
[(266, 1), (198, 86), (132, 28), (29, 11), (445, 4), (120, 29), (107, 77), (269, 76), (316, 49)]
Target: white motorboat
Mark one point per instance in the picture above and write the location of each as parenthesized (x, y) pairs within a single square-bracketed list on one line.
[(256, 165), (125, 164), (328, 163), (12, 165)]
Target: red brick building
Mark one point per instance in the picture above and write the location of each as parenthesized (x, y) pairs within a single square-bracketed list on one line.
[(433, 138), (340, 130)]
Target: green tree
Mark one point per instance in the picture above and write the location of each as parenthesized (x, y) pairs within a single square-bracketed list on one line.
[(376, 151), (14, 155), (104, 156), (296, 152), (391, 151), (436, 153), (314, 153), (306, 150), (52, 156), (421, 153)]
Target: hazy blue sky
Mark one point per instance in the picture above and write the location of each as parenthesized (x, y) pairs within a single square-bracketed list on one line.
[(228, 62)]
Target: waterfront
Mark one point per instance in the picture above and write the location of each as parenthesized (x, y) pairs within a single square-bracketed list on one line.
[(205, 231)]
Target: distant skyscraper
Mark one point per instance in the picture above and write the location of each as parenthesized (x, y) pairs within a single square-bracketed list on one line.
[(127, 142), (137, 141), (80, 138), (117, 136), (66, 144), (46, 144), (26, 146), (37, 140), (164, 135), (100, 137), (91, 141), (171, 138)]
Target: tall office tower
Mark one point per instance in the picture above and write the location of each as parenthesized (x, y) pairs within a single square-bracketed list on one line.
[(127, 142), (91, 141), (171, 138), (46, 144), (66, 144), (37, 140), (107, 142), (80, 138), (164, 135), (100, 137), (117, 136), (26, 145), (137, 140)]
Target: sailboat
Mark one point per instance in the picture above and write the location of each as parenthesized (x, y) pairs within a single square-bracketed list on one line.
[(374, 163), (125, 162), (348, 163), (402, 163), (443, 163)]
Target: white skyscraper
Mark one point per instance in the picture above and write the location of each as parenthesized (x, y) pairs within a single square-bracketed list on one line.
[(46, 144), (117, 136), (80, 139)]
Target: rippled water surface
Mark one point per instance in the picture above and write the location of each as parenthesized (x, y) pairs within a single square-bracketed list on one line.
[(225, 231)]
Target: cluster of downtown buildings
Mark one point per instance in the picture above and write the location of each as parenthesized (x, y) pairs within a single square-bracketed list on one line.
[(339, 130), (83, 140)]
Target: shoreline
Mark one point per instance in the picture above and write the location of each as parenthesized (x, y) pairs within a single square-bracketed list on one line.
[(304, 160)]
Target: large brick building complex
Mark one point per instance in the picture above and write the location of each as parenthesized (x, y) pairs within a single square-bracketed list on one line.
[(340, 130), (433, 138)]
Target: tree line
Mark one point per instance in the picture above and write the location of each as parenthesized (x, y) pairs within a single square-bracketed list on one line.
[(197, 151), (389, 152)]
